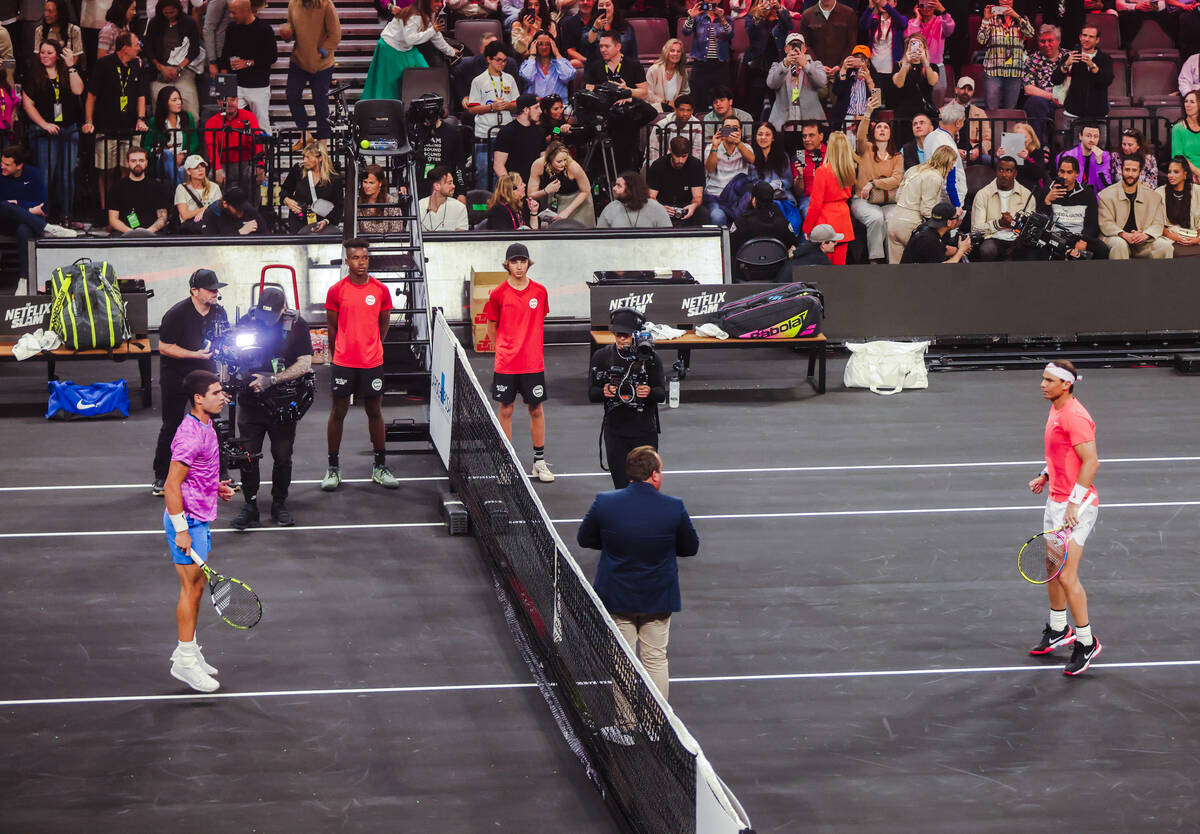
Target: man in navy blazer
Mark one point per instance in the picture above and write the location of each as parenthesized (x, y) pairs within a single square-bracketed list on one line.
[(639, 532)]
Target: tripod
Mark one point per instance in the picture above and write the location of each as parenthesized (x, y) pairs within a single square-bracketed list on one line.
[(604, 182)]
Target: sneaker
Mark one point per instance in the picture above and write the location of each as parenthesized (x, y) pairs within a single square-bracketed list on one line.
[(200, 661), (158, 487), (384, 477), (54, 230), (615, 735), (281, 516), (246, 517), (541, 471), (1081, 657), (332, 479), (1052, 640), (188, 670)]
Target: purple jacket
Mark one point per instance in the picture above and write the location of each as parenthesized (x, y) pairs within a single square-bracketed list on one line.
[(1099, 175)]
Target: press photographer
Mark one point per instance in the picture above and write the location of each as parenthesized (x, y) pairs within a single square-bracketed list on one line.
[(268, 356), (932, 242), (628, 378)]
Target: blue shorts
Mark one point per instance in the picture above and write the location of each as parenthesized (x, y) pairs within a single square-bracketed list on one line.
[(201, 539)]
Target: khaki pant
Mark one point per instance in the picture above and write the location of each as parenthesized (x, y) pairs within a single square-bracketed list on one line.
[(647, 635), (1157, 248)]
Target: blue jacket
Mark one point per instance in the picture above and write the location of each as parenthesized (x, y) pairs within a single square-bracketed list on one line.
[(639, 532), (707, 26), (868, 25), (758, 34), (28, 188)]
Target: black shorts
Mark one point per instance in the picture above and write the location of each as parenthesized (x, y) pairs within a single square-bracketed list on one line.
[(531, 386), (363, 382)]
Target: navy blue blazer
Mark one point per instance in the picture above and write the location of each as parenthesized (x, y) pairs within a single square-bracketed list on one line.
[(639, 531)]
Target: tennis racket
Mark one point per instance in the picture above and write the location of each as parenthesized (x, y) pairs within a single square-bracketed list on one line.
[(235, 603), (1043, 556)]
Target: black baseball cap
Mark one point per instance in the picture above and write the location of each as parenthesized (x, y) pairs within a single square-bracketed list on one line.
[(271, 304), (516, 250), (205, 279), (526, 100), (625, 320), (944, 211)]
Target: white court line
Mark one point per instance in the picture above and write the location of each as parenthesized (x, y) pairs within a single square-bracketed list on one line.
[(868, 467), (715, 517), (483, 687)]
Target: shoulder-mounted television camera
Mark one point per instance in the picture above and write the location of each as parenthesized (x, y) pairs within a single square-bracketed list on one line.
[(1039, 231)]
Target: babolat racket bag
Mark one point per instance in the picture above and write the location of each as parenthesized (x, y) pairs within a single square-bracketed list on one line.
[(788, 311), (87, 312)]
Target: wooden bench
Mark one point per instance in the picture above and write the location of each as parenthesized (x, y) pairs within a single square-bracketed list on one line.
[(814, 346), (138, 349)]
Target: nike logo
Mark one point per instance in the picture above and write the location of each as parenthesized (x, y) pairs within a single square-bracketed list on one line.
[(82, 405)]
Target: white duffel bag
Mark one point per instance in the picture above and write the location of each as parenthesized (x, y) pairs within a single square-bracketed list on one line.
[(887, 367)]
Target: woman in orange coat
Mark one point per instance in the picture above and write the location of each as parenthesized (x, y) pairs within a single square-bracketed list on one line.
[(832, 189)]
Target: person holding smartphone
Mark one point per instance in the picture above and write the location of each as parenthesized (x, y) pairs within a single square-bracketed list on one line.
[(796, 80), (727, 157), (1003, 34), (1090, 72), (1072, 204)]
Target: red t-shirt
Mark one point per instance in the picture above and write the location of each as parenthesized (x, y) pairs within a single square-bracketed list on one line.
[(520, 318), (357, 343), (1066, 428)]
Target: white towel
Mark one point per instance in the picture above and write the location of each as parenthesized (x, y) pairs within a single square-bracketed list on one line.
[(712, 331), (663, 332)]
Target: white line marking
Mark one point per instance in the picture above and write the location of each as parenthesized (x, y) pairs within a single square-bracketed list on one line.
[(486, 687), (871, 467), (161, 532)]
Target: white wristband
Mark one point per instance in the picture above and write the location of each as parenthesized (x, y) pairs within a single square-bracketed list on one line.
[(1078, 493), (179, 522)]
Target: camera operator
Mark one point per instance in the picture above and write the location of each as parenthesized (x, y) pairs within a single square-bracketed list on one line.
[(1071, 204), (435, 143), (184, 345), (629, 114), (931, 243), (282, 354), (629, 381)]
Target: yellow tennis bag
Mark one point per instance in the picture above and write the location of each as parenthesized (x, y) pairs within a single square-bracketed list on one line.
[(87, 311)]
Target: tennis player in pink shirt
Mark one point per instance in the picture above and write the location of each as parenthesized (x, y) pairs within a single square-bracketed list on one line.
[(1070, 472)]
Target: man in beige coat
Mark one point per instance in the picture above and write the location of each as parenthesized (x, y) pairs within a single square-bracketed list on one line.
[(1139, 235), (994, 211)]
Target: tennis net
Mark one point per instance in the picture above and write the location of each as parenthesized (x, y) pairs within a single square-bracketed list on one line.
[(649, 769)]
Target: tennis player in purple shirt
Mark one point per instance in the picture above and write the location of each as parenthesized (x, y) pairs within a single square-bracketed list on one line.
[(193, 486)]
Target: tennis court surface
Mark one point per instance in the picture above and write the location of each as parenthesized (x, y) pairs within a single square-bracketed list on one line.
[(851, 655)]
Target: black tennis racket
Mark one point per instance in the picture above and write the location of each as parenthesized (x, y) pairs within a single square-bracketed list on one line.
[(235, 603), (1043, 556)]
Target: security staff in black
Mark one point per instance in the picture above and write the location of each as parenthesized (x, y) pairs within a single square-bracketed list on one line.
[(282, 355), (184, 345), (631, 387)]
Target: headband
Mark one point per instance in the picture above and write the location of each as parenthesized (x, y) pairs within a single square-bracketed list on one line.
[(1063, 373)]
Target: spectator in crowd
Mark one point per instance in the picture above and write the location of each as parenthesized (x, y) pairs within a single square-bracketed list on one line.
[(1181, 201), (667, 78), (520, 142), (1189, 75), (251, 50), (396, 50), (882, 31), (509, 209), (821, 244), (172, 44), (440, 211), (974, 138), (23, 204), (767, 26), (52, 106), (172, 136), (722, 109), (56, 25), (880, 168), (809, 157), (91, 21), (571, 29), (607, 19), (556, 124), (492, 100), (443, 145), (1185, 135), (727, 157), (1071, 204), (1035, 158), (212, 29), (912, 83), (950, 122), (473, 10), (1090, 72), (1132, 217), (1003, 35), (680, 123), (117, 21), (830, 29), (1095, 163), (1133, 143), (115, 106), (560, 184), (10, 107), (1131, 14), (930, 242), (312, 194), (373, 218), (628, 115), (762, 219), (832, 189), (994, 212), (632, 206), (771, 164), (797, 80), (229, 138), (1043, 96), (935, 25), (710, 52), (853, 86), (532, 18), (920, 190), (468, 69), (913, 151), (677, 182), (314, 26), (194, 195), (137, 205), (546, 72), (232, 215)]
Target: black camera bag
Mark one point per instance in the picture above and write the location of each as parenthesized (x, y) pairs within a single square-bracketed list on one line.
[(788, 311)]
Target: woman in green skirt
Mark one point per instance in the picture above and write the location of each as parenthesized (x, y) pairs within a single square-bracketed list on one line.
[(397, 48)]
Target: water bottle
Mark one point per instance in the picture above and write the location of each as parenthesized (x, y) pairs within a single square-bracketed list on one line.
[(379, 144), (673, 392)]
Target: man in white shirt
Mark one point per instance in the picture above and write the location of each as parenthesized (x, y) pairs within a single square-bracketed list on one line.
[(727, 157), (994, 211), (951, 118), (440, 211), (491, 101)]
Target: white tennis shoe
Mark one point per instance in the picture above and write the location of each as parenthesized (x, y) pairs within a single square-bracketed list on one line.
[(186, 669), (541, 471), (208, 668)]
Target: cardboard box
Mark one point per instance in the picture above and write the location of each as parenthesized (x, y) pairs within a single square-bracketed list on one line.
[(320, 344), (482, 284)]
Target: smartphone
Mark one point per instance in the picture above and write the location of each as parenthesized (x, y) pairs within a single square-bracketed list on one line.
[(726, 132), (999, 10), (1060, 182)]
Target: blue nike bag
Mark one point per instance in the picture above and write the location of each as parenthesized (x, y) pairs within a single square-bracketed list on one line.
[(69, 401)]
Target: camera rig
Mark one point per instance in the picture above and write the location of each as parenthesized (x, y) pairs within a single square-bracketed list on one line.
[(626, 377), (1039, 231)]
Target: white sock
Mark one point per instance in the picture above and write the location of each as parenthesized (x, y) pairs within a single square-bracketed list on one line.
[(1058, 619), (1084, 634), (189, 649)]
